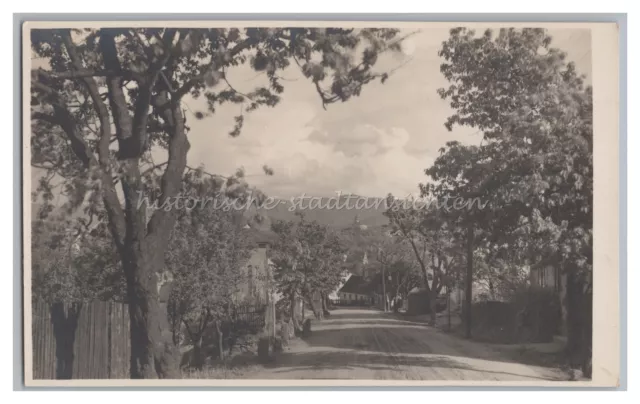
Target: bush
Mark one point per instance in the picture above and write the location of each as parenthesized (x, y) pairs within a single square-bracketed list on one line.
[(531, 316)]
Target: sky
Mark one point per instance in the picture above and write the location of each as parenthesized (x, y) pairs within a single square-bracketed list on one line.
[(372, 145)]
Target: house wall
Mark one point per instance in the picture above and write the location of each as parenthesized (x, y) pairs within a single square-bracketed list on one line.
[(352, 297), (254, 289), (335, 294)]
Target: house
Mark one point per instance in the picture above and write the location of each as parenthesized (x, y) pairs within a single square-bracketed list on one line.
[(333, 296), (355, 291), (418, 302), (256, 290)]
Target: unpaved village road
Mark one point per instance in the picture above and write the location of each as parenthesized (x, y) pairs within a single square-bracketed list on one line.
[(369, 344)]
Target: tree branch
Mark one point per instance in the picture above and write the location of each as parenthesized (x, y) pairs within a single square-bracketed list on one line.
[(143, 101), (186, 87), (82, 73), (171, 183), (117, 99), (110, 197)]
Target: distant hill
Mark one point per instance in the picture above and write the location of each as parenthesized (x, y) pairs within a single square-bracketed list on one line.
[(330, 211), (338, 213)]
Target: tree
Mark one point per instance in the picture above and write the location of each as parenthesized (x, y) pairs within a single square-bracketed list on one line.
[(308, 259), (206, 255), (431, 240), (395, 261), (110, 97), (73, 262), (536, 159)]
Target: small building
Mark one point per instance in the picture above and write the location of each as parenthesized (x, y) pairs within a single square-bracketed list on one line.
[(334, 296), (418, 302), (355, 291), (255, 289)]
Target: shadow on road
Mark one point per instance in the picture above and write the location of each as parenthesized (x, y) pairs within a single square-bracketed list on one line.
[(369, 344), (334, 361)]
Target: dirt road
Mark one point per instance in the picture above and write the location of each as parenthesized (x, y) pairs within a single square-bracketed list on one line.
[(369, 344)]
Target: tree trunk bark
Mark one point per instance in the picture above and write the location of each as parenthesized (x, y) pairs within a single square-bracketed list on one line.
[(469, 282), (198, 357), (292, 306), (153, 354), (220, 340), (294, 320), (64, 330), (317, 311)]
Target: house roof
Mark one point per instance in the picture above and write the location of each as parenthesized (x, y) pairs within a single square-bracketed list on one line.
[(355, 284), (257, 236)]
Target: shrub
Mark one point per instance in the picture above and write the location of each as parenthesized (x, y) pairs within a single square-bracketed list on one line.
[(532, 315)]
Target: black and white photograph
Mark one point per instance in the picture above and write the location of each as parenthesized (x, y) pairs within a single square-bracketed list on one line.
[(305, 203)]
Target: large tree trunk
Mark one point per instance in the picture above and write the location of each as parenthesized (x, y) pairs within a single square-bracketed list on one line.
[(198, 355), (64, 330), (294, 320), (580, 323), (153, 354), (317, 311)]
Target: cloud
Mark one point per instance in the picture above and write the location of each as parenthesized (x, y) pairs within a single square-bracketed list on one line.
[(359, 139), (376, 143), (372, 163)]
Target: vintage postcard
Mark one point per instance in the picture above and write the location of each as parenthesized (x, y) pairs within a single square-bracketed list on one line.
[(262, 203)]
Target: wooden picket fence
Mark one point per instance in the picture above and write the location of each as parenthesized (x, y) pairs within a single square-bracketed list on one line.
[(91, 340), (81, 340)]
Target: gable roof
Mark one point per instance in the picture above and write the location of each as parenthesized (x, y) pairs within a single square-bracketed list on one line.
[(355, 284), (259, 236)]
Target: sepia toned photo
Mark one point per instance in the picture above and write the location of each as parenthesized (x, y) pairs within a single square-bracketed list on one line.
[(307, 204)]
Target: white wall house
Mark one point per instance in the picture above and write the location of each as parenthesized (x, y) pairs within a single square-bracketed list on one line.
[(335, 294)]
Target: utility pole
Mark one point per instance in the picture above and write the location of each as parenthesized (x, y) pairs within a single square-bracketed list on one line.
[(448, 286), (384, 292), (469, 281)]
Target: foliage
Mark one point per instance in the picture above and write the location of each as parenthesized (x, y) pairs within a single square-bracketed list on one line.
[(393, 257), (73, 264), (308, 258), (535, 166), (430, 237), (206, 255)]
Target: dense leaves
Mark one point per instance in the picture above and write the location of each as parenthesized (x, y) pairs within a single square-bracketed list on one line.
[(206, 257), (308, 259)]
